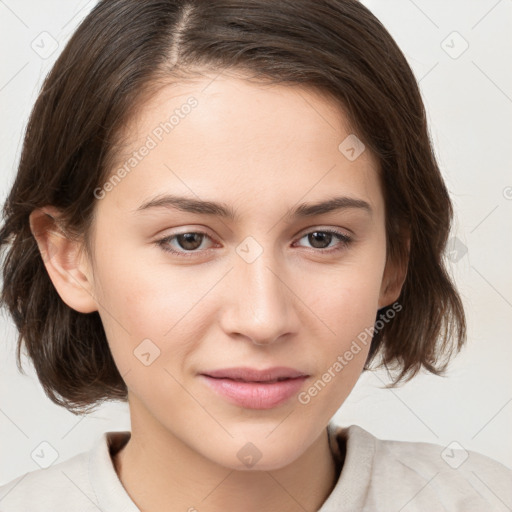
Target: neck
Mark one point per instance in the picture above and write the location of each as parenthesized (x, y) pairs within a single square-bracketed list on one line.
[(162, 473)]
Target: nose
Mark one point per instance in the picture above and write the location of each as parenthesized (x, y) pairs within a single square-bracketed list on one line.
[(259, 306)]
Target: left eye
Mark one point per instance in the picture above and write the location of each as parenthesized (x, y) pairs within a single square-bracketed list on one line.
[(186, 244), (320, 237)]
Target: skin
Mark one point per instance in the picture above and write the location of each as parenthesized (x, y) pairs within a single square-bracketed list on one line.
[(261, 150)]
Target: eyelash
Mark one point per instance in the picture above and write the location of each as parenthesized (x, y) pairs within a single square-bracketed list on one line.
[(344, 239)]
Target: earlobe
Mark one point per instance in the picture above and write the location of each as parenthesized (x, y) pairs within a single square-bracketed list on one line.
[(393, 280), (64, 260), (390, 292)]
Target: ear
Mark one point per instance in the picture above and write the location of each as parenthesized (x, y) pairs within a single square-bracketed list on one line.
[(64, 260), (393, 279)]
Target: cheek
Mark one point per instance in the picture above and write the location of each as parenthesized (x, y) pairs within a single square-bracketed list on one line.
[(346, 302), (348, 314), (346, 298), (155, 310)]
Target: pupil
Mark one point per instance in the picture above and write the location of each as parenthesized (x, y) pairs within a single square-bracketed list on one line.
[(322, 236), (186, 240)]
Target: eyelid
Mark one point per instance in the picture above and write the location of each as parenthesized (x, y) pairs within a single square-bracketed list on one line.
[(330, 229), (200, 230)]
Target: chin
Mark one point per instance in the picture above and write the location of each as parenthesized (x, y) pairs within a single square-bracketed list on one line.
[(245, 455)]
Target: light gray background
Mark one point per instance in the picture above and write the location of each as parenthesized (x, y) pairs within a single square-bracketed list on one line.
[(469, 102)]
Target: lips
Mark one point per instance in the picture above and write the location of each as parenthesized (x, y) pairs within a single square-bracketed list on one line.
[(246, 374), (255, 389)]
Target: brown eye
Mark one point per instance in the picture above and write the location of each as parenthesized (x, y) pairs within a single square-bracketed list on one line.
[(184, 244), (189, 241), (318, 239), (321, 240)]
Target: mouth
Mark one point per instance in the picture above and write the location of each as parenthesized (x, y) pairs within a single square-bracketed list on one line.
[(245, 374), (260, 381), (255, 389)]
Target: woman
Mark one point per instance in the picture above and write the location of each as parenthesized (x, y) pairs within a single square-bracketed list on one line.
[(237, 209)]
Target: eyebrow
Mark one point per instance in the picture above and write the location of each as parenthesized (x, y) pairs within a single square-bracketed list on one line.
[(190, 205)]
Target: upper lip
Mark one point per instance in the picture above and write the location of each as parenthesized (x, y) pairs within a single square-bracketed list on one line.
[(253, 375)]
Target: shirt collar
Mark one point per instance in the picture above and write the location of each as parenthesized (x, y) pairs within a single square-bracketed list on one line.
[(354, 449)]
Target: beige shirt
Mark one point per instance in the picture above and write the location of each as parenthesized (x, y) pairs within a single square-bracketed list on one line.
[(377, 475)]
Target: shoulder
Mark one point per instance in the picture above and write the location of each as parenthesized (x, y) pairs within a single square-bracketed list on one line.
[(428, 476), (85, 482), (47, 489)]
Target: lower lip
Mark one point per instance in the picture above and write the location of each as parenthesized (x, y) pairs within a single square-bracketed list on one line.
[(255, 395)]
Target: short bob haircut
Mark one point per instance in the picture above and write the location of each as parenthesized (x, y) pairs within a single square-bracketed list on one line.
[(122, 53)]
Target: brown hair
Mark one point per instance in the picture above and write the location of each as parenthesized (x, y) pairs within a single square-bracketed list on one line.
[(119, 55)]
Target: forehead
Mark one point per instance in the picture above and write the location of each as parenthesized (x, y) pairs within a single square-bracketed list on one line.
[(244, 143)]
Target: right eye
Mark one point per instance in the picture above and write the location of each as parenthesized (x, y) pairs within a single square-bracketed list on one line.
[(184, 244)]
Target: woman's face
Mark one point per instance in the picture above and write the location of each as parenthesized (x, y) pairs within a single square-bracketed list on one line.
[(269, 286)]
